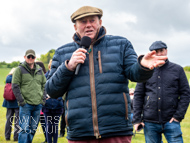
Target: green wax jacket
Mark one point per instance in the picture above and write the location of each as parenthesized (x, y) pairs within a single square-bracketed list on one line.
[(28, 85)]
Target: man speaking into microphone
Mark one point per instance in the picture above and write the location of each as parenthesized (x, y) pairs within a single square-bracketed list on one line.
[(85, 43), (97, 97)]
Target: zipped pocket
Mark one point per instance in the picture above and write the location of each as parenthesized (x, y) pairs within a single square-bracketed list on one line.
[(147, 102), (126, 106), (99, 61), (66, 120)]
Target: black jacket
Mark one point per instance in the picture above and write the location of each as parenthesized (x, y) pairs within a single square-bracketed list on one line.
[(163, 96)]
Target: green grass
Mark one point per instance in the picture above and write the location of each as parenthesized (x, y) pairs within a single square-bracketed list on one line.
[(188, 76), (39, 137), (3, 73)]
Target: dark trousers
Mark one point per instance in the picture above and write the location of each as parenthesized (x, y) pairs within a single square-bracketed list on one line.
[(12, 113), (63, 124), (43, 124), (52, 123), (119, 139)]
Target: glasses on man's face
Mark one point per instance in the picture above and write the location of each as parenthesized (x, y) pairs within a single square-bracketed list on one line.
[(30, 56)]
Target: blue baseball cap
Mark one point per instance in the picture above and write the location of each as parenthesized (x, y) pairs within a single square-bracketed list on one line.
[(157, 45)]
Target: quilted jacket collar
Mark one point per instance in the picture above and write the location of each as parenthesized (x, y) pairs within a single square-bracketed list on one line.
[(101, 33)]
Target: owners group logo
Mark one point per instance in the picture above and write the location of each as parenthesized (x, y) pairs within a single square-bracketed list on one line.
[(26, 127)]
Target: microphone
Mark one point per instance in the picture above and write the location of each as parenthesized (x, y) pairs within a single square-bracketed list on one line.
[(85, 43)]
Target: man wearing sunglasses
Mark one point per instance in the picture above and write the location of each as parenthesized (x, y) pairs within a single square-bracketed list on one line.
[(28, 86)]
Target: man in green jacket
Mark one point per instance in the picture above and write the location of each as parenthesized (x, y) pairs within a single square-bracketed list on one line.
[(28, 86)]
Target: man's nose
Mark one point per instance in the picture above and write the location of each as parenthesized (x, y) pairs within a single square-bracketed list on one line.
[(88, 23)]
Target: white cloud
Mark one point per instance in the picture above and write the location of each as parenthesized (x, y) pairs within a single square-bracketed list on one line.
[(122, 17), (45, 24), (16, 58)]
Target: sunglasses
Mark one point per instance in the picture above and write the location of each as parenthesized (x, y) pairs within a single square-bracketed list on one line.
[(30, 56)]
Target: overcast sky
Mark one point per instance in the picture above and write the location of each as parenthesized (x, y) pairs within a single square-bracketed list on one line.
[(43, 25)]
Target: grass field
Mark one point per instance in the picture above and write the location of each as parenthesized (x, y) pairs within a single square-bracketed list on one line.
[(39, 137)]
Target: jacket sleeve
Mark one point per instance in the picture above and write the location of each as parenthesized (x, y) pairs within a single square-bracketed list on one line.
[(16, 82), (44, 91), (133, 69), (184, 94), (138, 102), (59, 77)]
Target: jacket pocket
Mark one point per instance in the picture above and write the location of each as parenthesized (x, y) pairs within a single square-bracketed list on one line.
[(126, 106), (66, 119), (99, 61), (174, 103), (147, 102)]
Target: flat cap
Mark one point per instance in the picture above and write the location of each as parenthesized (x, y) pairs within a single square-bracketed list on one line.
[(30, 52), (86, 11), (157, 45)]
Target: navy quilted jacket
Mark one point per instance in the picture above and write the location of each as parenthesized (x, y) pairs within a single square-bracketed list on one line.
[(97, 101)]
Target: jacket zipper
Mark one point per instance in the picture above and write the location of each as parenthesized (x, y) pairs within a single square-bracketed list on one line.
[(93, 95)]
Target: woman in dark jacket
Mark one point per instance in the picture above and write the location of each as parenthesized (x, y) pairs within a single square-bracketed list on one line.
[(12, 113), (52, 111)]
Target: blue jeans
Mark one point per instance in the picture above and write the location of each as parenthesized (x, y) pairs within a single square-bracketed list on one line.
[(172, 132), (29, 118)]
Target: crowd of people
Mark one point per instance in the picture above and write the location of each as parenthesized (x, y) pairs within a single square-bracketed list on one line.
[(97, 99)]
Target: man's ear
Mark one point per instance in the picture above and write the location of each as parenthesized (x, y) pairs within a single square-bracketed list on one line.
[(100, 22), (166, 52), (75, 27)]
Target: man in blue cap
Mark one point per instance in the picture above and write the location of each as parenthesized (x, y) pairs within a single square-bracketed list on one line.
[(161, 102)]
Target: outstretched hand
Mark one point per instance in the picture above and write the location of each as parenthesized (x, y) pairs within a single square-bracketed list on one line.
[(152, 61)]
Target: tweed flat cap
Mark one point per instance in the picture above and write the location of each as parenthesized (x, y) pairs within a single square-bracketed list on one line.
[(157, 45), (86, 11)]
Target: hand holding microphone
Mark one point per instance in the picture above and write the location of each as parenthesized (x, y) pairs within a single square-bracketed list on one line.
[(79, 55), (85, 43)]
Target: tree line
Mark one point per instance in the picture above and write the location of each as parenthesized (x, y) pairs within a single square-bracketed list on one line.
[(45, 58)]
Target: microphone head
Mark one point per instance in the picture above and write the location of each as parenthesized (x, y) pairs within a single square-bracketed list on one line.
[(85, 41)]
